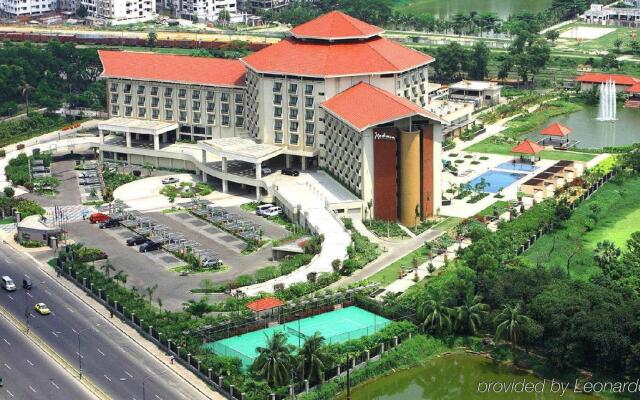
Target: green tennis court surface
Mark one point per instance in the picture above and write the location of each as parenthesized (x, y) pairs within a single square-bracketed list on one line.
[(336, 326)]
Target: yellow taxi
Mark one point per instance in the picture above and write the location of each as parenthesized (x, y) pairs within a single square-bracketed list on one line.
[(42, 309)]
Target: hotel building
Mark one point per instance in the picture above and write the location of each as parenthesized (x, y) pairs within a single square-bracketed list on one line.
[(334, 96)]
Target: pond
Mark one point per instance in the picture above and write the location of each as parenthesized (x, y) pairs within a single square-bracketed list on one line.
[(455, 377), (593, 134), (446, 8)]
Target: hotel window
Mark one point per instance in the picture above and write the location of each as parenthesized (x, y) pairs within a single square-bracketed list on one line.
[(155, 101), (397, 84), (277, 112), (277, 125), (168, 92), (293, 101), (127, 88), (277, 87), (293, 88), (168, 103), (239, 109), (183, 116), (154, 90), (308, 115), (115, 110), (278, 137), (309, 140), (127, 99), (239, 122), (196, 105), (293, 126), (211, 119), (293, 113), (308, 89), (308, 128), (209, 131), (196, 117), (141, 89), (308, 102), (114, 87), (406, 93), (155, 113), (128, 111), (195, 94), (114, 98), (224, 96), (210, 95), (211, 106), (294, 139), (142, 112), (224, 108), (168, 115), (182, 93), (225, 120), (182, 104), (141, 101), (239, 98), (277, 99)]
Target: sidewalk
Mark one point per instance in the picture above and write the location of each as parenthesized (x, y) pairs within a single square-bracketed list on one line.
[(133, 334)]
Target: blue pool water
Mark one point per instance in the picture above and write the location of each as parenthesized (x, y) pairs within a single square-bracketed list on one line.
[(497, 180), (509, 166)]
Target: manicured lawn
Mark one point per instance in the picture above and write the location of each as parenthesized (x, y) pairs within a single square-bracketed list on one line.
[(447, 224), (504, 148), (392, 271), (618, 219), (501, 205)]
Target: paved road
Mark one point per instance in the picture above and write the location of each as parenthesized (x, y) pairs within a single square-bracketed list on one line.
[(109, 358), (29, 373)]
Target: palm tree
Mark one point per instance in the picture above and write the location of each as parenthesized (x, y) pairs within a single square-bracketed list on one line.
[(150, 291), (605, 254), (26, 89), (435, 314), (313, 358), (121, 277), (510, 323), (468, 316), (274, 360), (197, 308), (107, 267)]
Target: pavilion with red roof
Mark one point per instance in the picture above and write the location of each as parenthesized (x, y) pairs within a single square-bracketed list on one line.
[(527, 147), (557, 130), (265, 305)]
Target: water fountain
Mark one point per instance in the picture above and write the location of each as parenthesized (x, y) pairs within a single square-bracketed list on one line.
[(607, 110)]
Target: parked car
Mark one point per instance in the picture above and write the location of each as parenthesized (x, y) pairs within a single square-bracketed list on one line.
[(149, 246), (7, 284), (136, 240), (98, 217), (266, 171), (110, 223), (262, 208), (272, 212), (290, 172), (170, 179), (26, 283), (211, 263), (1, 382), (42, 309)]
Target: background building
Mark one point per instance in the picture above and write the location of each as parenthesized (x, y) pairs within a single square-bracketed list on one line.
[(18, 8)]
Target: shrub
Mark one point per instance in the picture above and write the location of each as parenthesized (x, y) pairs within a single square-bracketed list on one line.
[(9, 192)]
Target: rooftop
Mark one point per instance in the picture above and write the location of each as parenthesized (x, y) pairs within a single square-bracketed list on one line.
[(326, 59), (335, 26), (172, 68), (363, 106), (592, 77), (527, 147), (556, 129), (144, 126), (235, 148), (474, 85), (264, 304)]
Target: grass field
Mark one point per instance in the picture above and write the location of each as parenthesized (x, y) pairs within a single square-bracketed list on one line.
[(504, 148), (618, 219), (392, 272), (603, 43)]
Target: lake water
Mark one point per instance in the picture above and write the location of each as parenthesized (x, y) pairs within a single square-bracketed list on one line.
[(445, 8), (456, 377), (595, 134)]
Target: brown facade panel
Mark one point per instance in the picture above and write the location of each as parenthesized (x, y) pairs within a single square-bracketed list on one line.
[(385, 174), (410, 178), (427, 171)]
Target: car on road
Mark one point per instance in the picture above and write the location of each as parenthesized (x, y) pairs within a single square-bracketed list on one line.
[(26, 283), (263, 207), (110, 223), (98, 217), (290, 172), (272, 212), (149, 246), (42, 309), (136, 240), (1, 382), (7, 284), (170, 179)]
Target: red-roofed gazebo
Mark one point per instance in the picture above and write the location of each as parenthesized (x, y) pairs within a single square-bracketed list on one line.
[(527, 147), (556, 129), (265, 305)]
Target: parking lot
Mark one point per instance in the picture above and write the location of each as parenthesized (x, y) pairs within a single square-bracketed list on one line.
[(68, 192)]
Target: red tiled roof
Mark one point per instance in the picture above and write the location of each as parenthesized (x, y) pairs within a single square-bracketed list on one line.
[(556, 129), (335, 26), (264, 304), (364, 105), (373, 56), (604, 78), (172, 68), (633, 89), (527, 147)]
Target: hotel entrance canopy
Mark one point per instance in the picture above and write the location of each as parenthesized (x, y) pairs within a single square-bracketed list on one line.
[(240, 149), (141, 126)]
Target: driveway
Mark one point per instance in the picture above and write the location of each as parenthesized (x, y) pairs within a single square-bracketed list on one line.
[(68, 191)]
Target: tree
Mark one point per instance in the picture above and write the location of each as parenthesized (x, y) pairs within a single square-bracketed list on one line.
[(224, 17), (609, 61), (552, 35), (478, 65), (606, 254), (510, 323), (313, 359), (487, 22), (197, 308), (81, 11), (25, 90), (150, 291), (468, 316), (275, 360), (152, 39), (9, 191), (107, 267), (121, 277), (148, 167), (451, 61), (435, 314), (376, 12), (618, 43)]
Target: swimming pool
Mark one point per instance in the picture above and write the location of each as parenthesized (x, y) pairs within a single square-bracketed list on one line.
[(509, 166), (497, 180)]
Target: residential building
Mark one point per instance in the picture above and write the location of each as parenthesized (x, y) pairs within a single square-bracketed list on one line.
[(593, 80), (19, 8)]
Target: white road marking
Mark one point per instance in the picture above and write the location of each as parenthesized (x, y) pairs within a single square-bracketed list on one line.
[(7, 365), (130, 376), (10, 394), (54, 334), (32, 389), (6, 341), (11, 297), (159, 398), (47, 292), (29, 294), (100, 351), (30, 363), (109, 379), (74, 331), (70, 310), (78, 354), (7, 260)]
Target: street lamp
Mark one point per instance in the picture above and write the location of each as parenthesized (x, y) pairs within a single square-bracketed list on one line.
[(78, 333)]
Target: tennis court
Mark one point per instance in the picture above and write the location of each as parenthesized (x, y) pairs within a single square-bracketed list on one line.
[(336, 326)]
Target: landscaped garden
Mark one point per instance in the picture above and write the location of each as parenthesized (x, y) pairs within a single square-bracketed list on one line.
[(385, 229)]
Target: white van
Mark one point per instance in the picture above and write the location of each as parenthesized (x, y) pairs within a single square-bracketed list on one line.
[(262, 208), (7, 284), (272, 212)]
